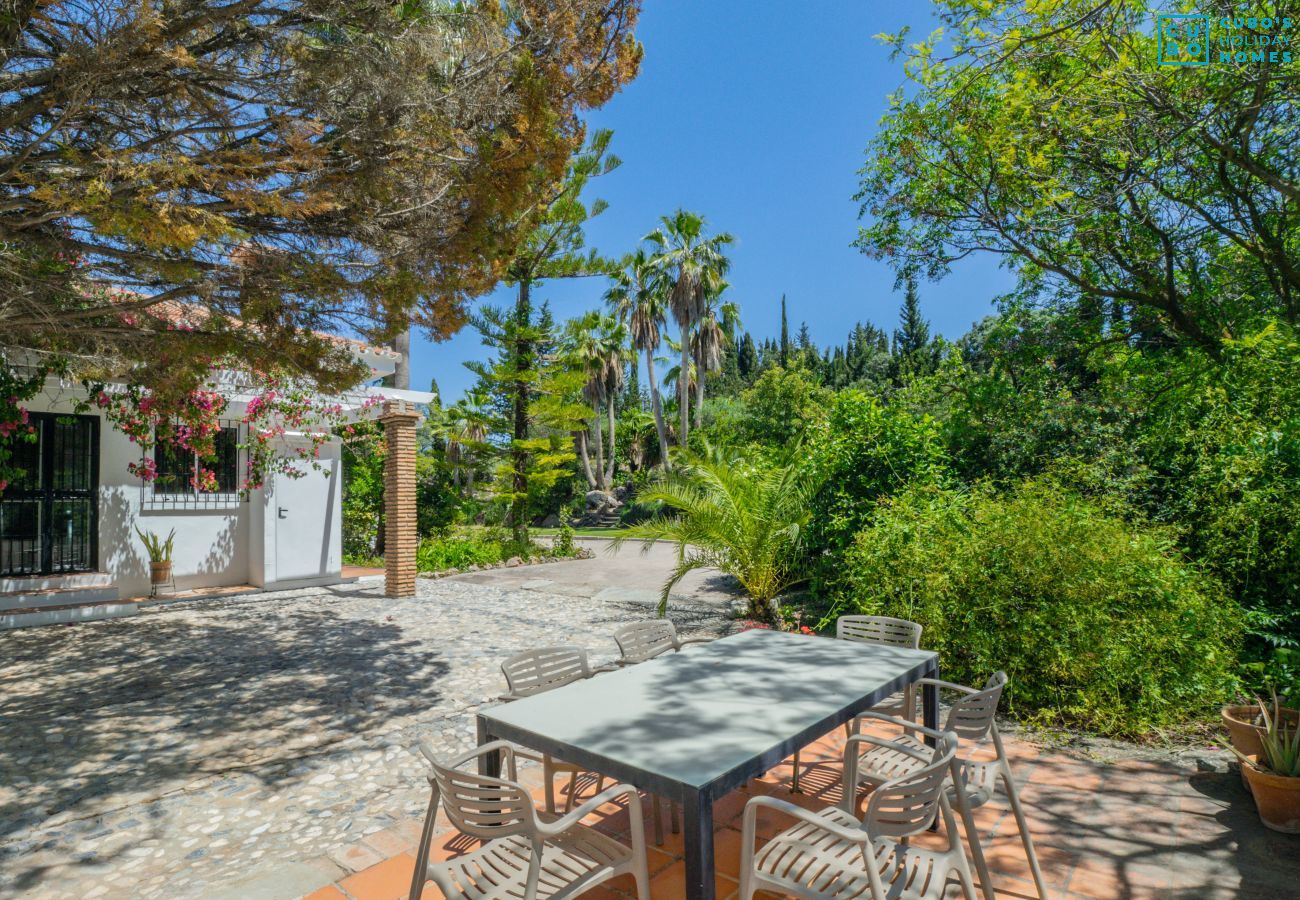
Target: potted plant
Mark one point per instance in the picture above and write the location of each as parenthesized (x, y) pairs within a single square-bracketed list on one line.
[(1245, 725), (160, 555), (1274, 775)]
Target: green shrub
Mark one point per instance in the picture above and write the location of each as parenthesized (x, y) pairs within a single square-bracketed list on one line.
[(458, 548), (1225, 444), (563, 545), (1098, 623), (863, 452)]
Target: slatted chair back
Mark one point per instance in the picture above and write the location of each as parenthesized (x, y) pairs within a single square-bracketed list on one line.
[(482, 807), (640, 641), (971, 717), (879, 630), (908, 805), (544, 669)]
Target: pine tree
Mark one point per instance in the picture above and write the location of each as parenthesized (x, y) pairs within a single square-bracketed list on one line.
[(553, 249), (913, 353)]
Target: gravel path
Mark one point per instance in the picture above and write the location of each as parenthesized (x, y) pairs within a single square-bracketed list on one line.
[(192, 746)]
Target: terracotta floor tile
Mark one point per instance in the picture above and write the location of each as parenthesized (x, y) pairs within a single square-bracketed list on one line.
[(1096, 874), (1059, 772), (730, 808), (658, 861), (1006, 857), (1007, 888), (329, 892), (390, 880), (727, 844), (396, 839), (671, 882), (450, 845), (358, 856)]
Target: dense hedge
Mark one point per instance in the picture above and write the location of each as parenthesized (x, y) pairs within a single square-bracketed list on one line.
[(1098, 623), (863, 451)]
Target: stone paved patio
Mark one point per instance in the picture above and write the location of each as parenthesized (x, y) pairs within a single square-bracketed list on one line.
[(243, 747), (261, 747)]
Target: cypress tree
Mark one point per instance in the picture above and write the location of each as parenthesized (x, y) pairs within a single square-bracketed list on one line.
[(785, 336)]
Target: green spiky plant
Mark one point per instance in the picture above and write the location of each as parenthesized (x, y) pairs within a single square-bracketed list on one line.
[(746, 519), (1281, 743), (159, 550)]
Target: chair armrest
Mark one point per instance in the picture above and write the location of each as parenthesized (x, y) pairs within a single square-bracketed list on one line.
[(577, 814), (902, 723), (612, 666), (882, 742), (857, 835), (506, 748), (946, 685)]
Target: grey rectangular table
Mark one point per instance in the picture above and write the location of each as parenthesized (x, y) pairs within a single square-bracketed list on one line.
[(695, 725)]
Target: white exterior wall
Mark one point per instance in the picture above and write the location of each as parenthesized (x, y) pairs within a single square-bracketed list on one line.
[(232, 544)]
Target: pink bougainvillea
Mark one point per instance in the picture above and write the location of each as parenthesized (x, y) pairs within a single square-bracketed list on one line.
[(282, 424), (17, 387)]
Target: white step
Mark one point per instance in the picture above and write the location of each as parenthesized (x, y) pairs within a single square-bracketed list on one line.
[(63, 615), (12, 584), (39, 599)]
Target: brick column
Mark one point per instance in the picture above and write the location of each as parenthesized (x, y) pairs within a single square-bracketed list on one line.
[(400, 536)]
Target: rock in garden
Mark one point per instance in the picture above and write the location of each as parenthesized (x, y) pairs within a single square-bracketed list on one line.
[(514, 561)]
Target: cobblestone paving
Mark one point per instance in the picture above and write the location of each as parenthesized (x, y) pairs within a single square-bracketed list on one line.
[(229, 747)]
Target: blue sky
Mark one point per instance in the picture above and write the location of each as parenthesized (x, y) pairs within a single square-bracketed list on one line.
[(757, 116)]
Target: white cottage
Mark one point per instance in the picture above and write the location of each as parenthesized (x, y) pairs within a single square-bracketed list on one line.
[(69, 550)]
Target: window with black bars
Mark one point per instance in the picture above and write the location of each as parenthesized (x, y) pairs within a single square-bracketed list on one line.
[(178, 469)]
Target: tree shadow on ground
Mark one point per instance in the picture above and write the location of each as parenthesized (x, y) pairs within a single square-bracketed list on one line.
[(95, 717)]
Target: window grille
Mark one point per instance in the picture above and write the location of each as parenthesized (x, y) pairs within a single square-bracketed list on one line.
[(177, 469)]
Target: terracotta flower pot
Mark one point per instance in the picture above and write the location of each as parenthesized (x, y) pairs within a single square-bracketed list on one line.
[(160, 572), (1277, 798), (1239, 720)]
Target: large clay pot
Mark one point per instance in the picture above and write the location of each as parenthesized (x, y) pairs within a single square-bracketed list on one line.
[(160, 572), (1239, 720), (1277, 799)]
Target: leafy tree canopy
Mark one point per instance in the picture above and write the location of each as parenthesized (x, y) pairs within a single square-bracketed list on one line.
[(1159, 205), (278, 168)]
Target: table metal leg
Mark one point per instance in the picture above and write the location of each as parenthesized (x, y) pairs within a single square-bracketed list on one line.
[(489, 764), (697, 813), (930, 705)]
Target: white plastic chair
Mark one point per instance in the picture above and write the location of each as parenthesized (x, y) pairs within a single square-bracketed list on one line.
[(641, 641), (972, 717), (525, 854), (535, 672), (832, 853), (894, 633), (637, 643), (876, 630)]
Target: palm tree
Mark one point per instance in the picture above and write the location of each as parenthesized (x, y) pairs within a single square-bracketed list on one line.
[(716, 323), (694, 262), (638, 428), (639, 296), (600, 343), (466, 430), (747, 520)]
